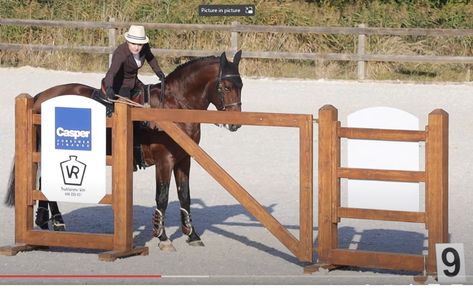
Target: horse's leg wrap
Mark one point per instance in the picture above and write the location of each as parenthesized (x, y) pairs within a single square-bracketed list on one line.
[(188, 229), (158, 231), (42, 218), (58, 223), (186, 222), (56, 219), (158, 225)]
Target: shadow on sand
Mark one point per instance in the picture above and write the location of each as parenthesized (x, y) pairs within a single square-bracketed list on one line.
[(99, 219)]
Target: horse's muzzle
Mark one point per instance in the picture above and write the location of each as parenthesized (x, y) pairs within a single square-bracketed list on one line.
[(233, 128)]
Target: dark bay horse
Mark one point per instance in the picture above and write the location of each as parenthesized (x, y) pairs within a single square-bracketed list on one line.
[(193, 85)]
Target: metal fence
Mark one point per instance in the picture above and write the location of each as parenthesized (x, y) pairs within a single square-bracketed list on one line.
[(360, 55)]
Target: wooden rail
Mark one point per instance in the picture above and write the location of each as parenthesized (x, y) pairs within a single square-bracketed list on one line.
[(360, 55)]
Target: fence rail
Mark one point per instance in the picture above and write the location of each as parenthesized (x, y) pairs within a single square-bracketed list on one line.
[(361, 56)]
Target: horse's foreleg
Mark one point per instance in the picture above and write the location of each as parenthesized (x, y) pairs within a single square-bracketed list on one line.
[(163, 178), (181, 175)]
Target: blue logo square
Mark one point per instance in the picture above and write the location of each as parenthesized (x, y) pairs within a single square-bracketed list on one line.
[(73, 128)]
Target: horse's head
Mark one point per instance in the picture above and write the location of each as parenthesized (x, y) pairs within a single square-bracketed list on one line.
[(229, 85)]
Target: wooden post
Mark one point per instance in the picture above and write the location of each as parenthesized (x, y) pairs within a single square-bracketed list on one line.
[(122, 186), (122, 178), (23, 167), (234, 38), (360, 52), (327, 234), (112, 40), (436, 183), (306, 189)]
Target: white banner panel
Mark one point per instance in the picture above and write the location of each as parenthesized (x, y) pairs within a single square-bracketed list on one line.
[(383, 155), (73, 158)]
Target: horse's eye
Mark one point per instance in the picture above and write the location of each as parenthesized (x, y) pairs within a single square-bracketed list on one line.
[(226, 89)]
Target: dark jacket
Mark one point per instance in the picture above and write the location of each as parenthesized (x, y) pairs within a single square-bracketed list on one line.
[(123, 71)]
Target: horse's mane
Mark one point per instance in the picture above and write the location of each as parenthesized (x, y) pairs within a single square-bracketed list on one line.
[(182, 67)]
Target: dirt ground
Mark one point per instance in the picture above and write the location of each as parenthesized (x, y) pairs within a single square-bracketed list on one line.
[(238, 249)]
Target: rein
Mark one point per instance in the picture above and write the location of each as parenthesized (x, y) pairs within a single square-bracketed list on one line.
[(124, 100)]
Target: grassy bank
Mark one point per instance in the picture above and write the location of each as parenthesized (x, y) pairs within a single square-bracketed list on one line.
[(345, 13)]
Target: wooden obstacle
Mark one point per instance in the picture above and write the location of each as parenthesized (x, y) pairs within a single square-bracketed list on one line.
[(118, 244), (331, 212), (302, 248)]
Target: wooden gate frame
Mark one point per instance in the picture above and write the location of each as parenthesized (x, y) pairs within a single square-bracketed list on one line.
[(302, 248), (118, 244), (121, 241), (435, 177)]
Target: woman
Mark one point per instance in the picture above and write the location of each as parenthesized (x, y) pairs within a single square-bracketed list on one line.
[(122, 76)]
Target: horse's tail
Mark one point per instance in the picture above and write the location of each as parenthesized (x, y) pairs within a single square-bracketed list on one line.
[(10, 198)]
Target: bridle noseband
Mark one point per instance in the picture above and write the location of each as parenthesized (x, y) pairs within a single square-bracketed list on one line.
[(221, 93)]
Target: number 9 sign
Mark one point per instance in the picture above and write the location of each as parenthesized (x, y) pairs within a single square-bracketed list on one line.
[(450, 263)]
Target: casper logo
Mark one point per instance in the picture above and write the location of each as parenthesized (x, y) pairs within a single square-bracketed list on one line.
[(73, 128)]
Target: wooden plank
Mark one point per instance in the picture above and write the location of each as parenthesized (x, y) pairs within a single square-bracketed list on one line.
[(255, 54), (56, 23), (335, 194), (381, 174), (245, 28), (39, 196), (381, 134), (70, 239), (306, 189), (232, 186), (69, 48), (382, 260), (107, 199), (14, 249), (110, 256), (386, 215), (327, 234), (218, 117), (437, 183), (23, 167), (122, 178)]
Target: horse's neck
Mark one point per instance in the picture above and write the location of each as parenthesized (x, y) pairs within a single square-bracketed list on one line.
[(196, 89)]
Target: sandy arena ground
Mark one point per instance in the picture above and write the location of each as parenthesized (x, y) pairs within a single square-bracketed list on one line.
[(238, 250)]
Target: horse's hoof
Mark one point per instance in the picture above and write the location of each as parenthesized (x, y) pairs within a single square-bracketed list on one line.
[(166, 246), (196, 243), (58, 223)]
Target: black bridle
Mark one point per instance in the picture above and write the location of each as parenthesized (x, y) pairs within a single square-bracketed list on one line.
[(221, 92)]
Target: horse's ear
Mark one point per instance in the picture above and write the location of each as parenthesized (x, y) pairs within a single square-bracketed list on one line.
[(237, 58), (223, 58)]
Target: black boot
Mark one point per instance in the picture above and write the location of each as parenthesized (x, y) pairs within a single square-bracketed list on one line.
[(42, 218), (189, 230)]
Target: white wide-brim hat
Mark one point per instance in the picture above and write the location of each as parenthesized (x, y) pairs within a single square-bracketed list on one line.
[(136, 34)]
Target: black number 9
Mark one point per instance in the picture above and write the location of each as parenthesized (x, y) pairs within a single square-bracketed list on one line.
[(455, 262)]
